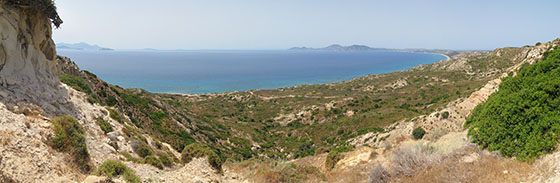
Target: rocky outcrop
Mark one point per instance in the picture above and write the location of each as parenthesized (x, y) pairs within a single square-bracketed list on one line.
[(27, 62)]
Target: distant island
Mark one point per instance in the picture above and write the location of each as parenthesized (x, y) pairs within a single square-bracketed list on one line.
[(336, 47), (362, 48), (81, 46)]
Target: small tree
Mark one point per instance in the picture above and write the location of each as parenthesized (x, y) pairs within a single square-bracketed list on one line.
[(418, 133), (45, 7), (445, 115)]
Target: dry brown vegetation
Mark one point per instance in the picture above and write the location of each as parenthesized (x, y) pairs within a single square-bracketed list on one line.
[(266, 170), (467, 164)]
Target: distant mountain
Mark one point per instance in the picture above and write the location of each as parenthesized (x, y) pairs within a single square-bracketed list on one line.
[(336, 47), (81, 46)]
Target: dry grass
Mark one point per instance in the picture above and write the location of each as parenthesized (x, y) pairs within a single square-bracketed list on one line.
[(355, 174), (267, 170), (409, 165), (407, 161), (379, 174), (6, 140)]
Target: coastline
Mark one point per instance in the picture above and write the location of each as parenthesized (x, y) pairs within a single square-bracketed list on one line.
[(301, 85), (446, 56), (365, 73)]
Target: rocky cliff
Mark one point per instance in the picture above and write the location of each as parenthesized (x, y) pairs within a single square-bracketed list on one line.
[(27, 63)]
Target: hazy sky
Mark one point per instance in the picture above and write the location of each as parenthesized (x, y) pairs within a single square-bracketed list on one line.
[(281, 24)]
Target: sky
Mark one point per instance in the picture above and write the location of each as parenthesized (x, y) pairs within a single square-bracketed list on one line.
[(281, 24)]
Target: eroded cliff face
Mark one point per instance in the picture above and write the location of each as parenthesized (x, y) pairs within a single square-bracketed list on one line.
[(27, 61)]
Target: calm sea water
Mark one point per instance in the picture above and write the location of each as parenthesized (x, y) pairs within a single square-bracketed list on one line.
[(197, 72)]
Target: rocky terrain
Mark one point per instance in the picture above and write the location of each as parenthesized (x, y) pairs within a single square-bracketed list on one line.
[(355, 131)]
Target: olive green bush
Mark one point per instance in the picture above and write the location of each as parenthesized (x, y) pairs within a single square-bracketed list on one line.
[(70, 137), (332, 158), (522, 118), (418, 133), (113, 168)]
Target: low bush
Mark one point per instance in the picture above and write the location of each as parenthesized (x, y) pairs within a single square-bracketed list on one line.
[(197, 150), (113, 168), (111, 100), (154, 161), (144, 150), (332, 158), (115, 115), (104, 125), (379, 174), (409, 160), (70, 137), (129, 157), (165, 159), (445, 115), (418, 133)]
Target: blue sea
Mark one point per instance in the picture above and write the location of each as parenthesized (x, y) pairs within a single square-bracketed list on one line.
[(196, 72)]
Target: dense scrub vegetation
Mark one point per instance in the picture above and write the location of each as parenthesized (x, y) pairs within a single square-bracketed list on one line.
[(522, 119), (45, 7), (113, 168), (70, 137)]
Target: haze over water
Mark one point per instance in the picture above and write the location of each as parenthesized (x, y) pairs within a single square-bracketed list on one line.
[(196, 72)]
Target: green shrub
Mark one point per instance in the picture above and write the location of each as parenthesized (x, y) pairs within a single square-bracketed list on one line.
[(157, 116), (522, 118), (130, 157), (70, 137), (111, 100), (154, 161), (75, 82), (144, 150), (332, 158), (104, 125), (365, 130), (165, 159), (113, 168), (115, 115), (445, 115), (321, 150), (418, 133), (197, 150)]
